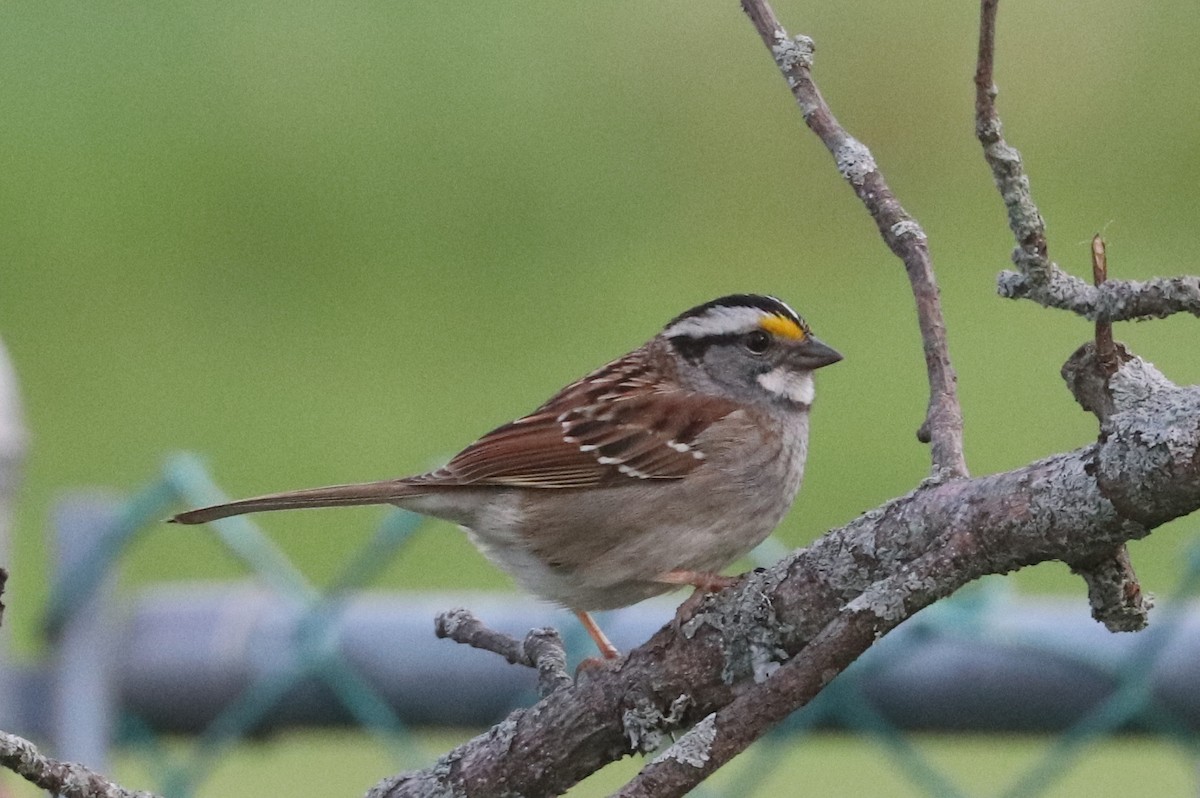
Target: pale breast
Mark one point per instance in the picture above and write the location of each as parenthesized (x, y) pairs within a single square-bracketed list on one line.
[(605, 548)]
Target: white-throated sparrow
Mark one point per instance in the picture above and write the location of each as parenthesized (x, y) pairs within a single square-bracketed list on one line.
[(654, 471)]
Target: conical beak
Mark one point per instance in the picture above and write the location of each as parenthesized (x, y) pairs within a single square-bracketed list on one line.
[(813, 353)]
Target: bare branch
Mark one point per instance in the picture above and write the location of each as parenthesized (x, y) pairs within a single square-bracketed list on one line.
[(943, 421), (3, 582), (1037, 277), (67, 779), (542, 649)]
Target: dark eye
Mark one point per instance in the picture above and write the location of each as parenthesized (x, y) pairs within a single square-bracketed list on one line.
[(757, 341)]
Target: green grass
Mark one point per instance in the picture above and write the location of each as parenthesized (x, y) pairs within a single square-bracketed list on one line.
[(343, 763)]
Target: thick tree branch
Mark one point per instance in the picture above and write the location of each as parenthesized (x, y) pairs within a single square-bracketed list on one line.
[(1074, 507), (62, 778), (943, 425), (721, 736), (541, 650), (1037, 277)]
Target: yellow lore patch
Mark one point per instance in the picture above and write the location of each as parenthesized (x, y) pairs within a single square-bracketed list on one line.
[(784, 328)]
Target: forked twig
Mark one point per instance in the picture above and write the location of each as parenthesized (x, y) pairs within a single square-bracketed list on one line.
[(1037, 277), (542, 649)]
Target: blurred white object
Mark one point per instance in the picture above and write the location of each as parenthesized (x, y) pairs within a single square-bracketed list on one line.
[(13, 440)]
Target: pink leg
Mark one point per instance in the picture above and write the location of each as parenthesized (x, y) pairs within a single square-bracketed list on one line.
[(607, 649)]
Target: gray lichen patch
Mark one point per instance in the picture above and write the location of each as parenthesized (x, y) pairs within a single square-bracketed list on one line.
[(1148, 465), (450, 621), (793, 53), (752, 636), (443, 769), (886, 600), (908, 227), (695, 747), (504, 732), (646, 726), (1134, 384), (1153, 299), (854, 161), (432, 783)]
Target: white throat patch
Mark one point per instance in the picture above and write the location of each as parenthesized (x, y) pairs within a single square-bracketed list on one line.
[(788, 383)]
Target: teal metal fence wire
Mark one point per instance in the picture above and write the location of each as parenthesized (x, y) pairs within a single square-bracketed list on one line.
[(1131, 673)]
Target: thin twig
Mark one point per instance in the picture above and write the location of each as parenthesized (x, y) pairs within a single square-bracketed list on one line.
[(943, 426), (67, 779), (541, 650), (1105, 349), (1031, 255), (3, 581)]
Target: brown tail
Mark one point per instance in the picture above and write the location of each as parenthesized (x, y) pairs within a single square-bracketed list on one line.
[(333, 496)]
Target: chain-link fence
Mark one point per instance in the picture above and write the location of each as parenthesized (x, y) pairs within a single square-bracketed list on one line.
[(223, 662)]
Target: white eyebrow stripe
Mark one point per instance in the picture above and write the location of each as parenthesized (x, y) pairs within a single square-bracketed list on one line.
[(794, 314), (718, 321)]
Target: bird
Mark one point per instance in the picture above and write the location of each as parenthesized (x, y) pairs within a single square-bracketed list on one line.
[(651, 473)]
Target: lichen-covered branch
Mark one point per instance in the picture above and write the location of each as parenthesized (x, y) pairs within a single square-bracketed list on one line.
[(723, 735), (1075, 507), (943, 425), (1037, 277), (1114, 592), (542, 649), (1031, 255), (1116, 300), (66, 779)]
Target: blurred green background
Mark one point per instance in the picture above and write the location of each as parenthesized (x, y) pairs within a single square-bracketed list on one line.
[(324, 243)]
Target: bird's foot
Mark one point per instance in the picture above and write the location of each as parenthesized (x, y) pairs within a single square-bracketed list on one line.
[(705, 583)]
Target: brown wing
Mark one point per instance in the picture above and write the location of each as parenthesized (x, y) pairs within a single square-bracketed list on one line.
[(616, 424)]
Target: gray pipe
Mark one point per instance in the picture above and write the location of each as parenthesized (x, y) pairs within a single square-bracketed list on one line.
[(1016, 666)]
